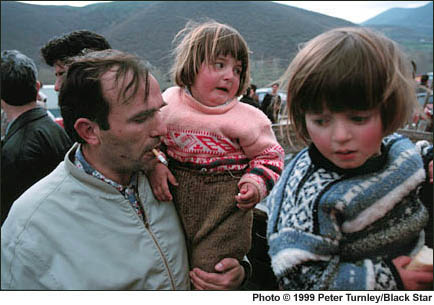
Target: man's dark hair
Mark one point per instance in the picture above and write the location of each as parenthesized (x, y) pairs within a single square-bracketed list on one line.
[(248, 90), (18, 78), (60, 48), (253, 87), (81, 95)]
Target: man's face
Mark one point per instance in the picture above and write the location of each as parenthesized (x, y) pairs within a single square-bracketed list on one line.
[(59, 72), (135, 128), (274, 89)]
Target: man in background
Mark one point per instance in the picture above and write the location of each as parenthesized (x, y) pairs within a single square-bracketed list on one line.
[(59, 49), (33, 144), (271, 103)]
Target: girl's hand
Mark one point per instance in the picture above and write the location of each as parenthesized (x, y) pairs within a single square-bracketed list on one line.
[(248, 196), (158, 178), (413, 279)]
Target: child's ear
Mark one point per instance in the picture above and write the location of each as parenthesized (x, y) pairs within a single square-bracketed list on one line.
[(88, 130)]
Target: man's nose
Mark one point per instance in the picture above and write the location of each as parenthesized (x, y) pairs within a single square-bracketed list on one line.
[(160, 128), (57, 84)]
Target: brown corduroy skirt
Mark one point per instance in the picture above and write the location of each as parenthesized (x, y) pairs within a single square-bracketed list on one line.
[(215, 228)]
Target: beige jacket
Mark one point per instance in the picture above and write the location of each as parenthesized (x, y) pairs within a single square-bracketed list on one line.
[(71, 231)]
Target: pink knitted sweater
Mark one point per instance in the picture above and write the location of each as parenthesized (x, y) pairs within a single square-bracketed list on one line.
[(233, 136)]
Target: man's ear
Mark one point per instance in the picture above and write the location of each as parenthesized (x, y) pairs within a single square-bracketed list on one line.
[(89, 131), (38, 87)]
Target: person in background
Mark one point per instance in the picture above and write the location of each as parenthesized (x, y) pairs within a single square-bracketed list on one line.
[(254, 95), (33, 144), (220, 164), (59, 49), (249, 99), (93, 223), (345, 215), (423, 85), (271, 103)]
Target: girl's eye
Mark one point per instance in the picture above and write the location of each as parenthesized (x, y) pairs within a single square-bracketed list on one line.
[(320, 122), (218, 65), (359, 119), (238, 71)]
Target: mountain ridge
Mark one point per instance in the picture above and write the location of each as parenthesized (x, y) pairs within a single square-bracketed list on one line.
[(273, 31)]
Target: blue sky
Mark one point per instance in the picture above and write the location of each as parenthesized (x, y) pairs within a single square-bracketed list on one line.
[(354, 11)]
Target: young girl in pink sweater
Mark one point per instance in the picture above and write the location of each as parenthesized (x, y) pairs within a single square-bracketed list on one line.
[(223, 155)]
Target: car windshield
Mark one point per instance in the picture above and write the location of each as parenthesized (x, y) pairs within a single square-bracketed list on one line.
[(52, 100)]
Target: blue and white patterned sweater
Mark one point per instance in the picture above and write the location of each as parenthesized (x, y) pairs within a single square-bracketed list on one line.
[(334, 229)]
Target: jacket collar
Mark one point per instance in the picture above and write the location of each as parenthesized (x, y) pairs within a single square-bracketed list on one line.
[(24, 119), (99, 187)]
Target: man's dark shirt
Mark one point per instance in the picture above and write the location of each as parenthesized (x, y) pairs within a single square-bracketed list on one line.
[(33, 146)]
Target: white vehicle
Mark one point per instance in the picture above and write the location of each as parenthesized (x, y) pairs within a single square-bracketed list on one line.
[(52, 102)]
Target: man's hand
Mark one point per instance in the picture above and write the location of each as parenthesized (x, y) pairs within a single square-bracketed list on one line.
[(229, 276), (158, 178)]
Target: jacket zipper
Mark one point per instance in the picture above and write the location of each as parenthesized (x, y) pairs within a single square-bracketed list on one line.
[(145, 221)]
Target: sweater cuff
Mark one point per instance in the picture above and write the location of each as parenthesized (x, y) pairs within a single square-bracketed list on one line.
[(395, 273), (257, 182)]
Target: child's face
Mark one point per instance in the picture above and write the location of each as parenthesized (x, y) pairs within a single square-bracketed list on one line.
[(217, 82), (348, 138)]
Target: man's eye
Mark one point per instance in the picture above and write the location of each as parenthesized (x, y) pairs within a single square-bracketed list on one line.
[(140, 120)]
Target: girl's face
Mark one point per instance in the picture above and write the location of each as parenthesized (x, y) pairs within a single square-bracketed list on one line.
[(348, 138), (217, 83)]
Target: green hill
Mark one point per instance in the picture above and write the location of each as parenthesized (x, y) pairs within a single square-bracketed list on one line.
[(273, 31)]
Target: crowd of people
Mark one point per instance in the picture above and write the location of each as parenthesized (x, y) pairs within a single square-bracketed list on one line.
[(90, 207)]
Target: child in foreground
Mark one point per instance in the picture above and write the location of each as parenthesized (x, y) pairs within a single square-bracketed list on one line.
[(345, 214), (223, 155)]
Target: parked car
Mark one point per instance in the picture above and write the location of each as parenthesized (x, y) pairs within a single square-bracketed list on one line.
[(53, 103)]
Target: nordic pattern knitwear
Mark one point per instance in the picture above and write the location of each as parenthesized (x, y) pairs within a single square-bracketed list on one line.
[(234, 136), (215, 228), (330, 228)]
